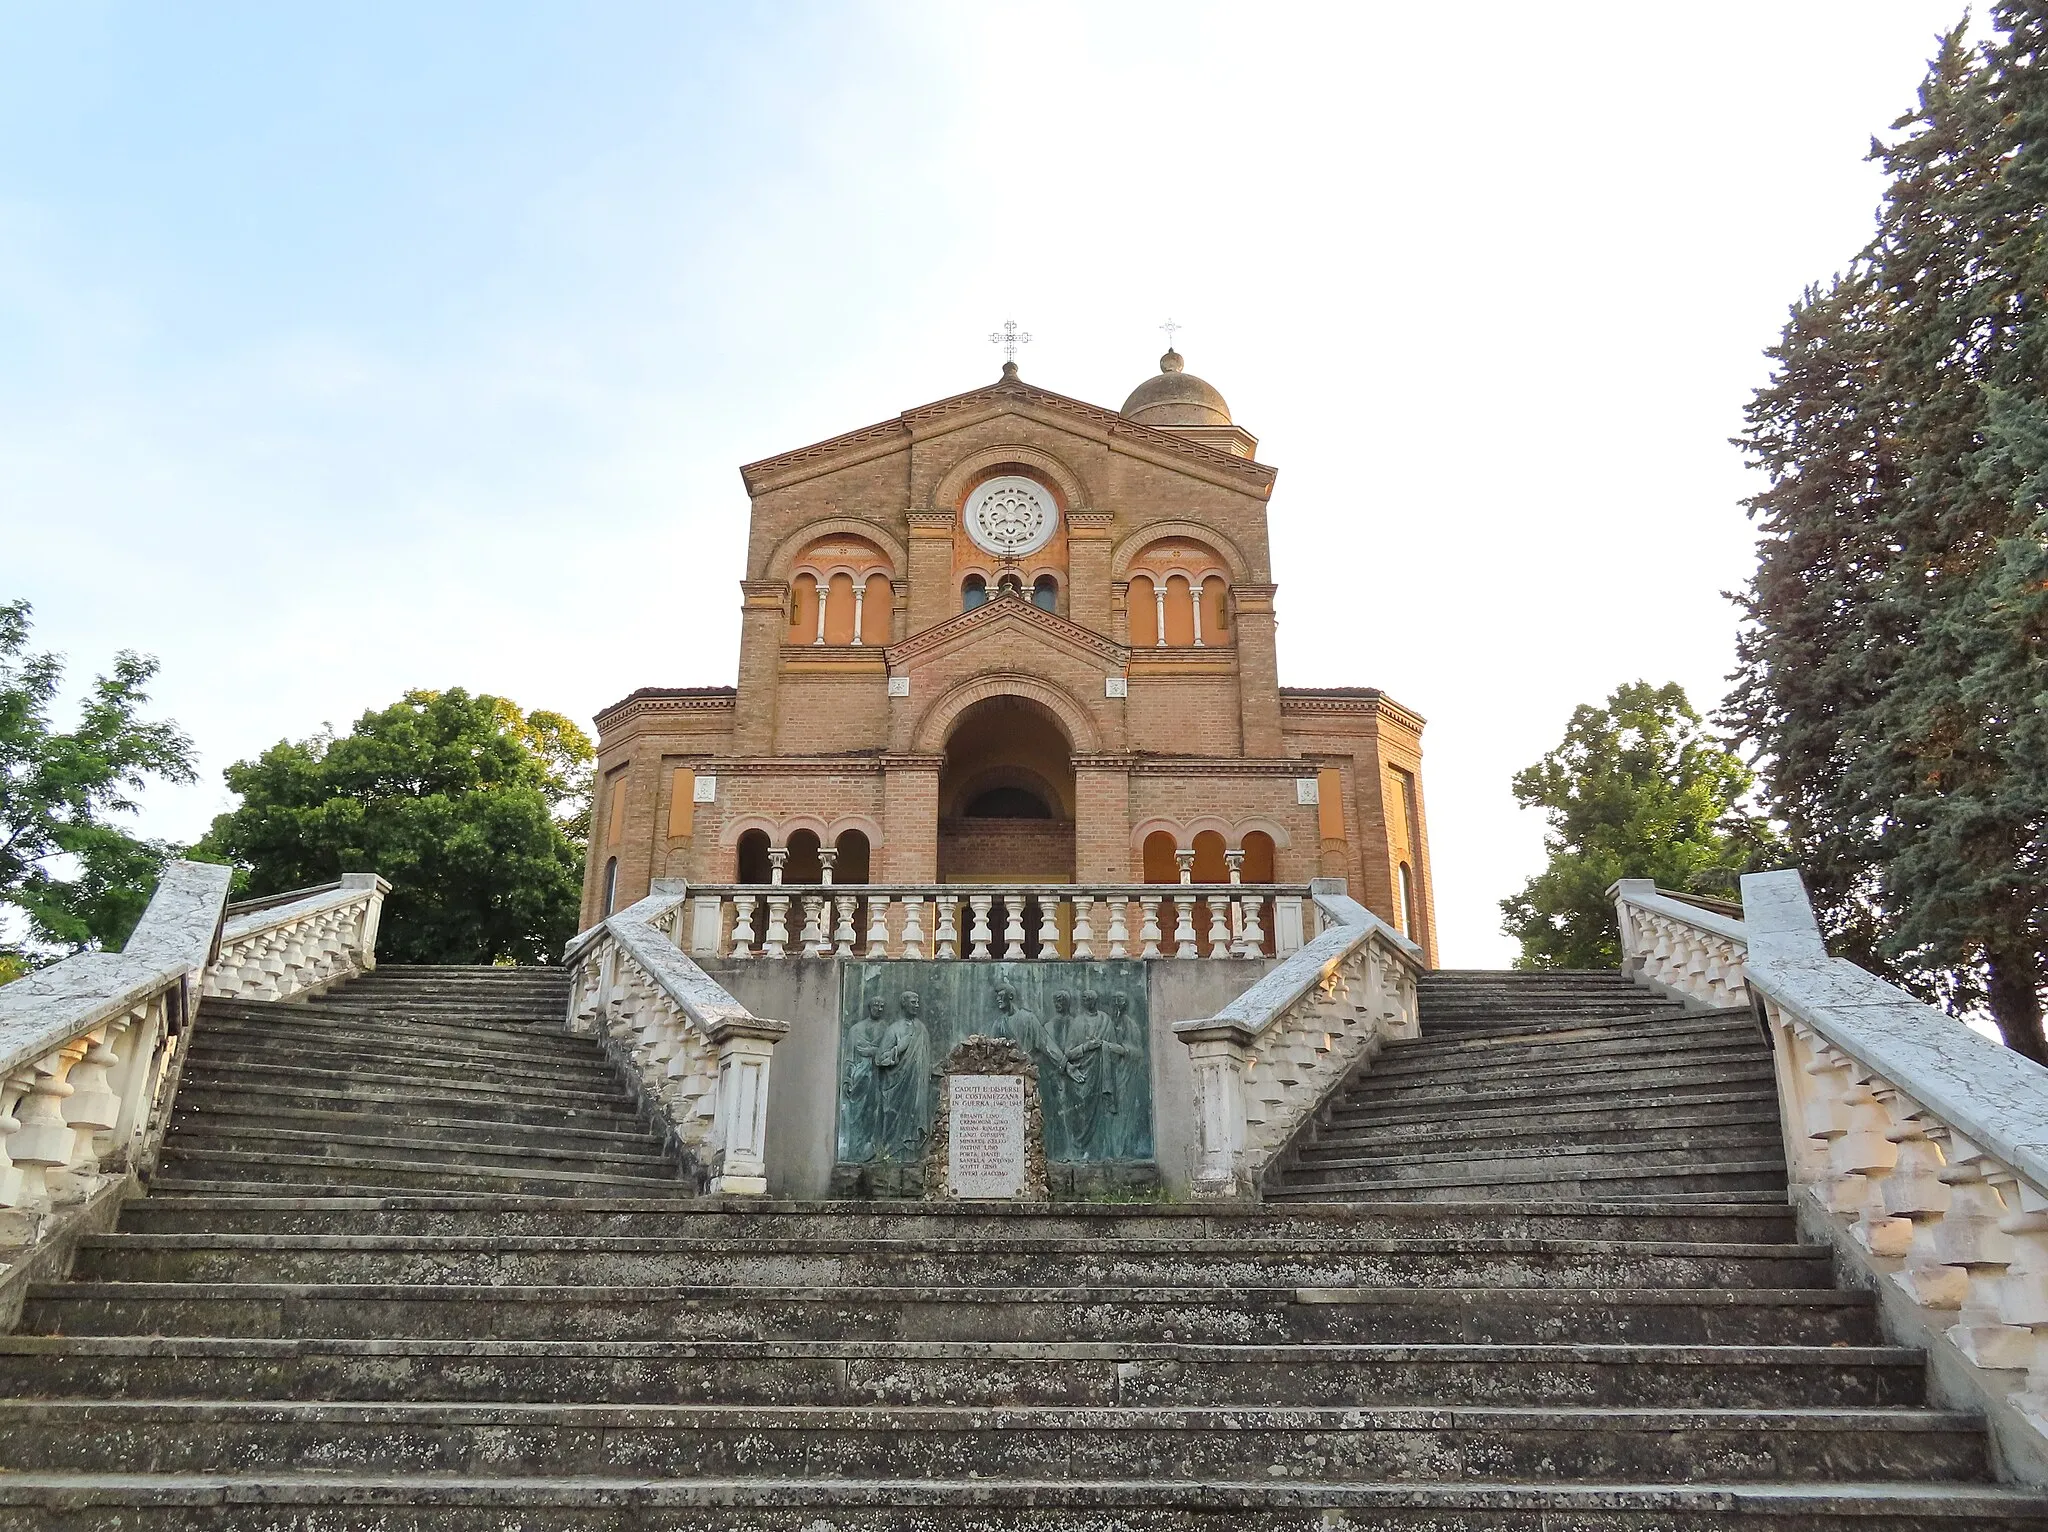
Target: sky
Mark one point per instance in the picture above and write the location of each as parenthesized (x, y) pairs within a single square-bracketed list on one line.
[(350, 349)]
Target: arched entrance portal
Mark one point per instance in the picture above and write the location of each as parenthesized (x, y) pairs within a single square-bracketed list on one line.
[(1006, 796)]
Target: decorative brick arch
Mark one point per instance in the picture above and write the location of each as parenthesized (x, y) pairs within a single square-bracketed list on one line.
[(861, 822), (1128, 550), (1145, 829), (932, 730), (953, 485), (729, 836), (783, 559), (1281, 840)]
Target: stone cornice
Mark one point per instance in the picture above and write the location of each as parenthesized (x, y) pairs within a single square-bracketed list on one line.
[(884, 437), (667, 699), (1363, 699), (1008, 608), (1215, 766)]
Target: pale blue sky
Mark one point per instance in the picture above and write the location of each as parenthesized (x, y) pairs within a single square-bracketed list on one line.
[(346, 349)]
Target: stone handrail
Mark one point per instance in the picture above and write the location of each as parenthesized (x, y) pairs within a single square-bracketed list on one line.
[(1008, 921), (1268, 1061), (280, 951), (1679, 948), (1918, 1144), (695, 1056), (90, 1046)]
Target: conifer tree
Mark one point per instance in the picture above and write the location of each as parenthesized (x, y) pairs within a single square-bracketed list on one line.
[(1891, 669)]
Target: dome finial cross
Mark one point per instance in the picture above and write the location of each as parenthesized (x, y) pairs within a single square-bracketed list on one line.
[(1009, 337), (1169, 327)]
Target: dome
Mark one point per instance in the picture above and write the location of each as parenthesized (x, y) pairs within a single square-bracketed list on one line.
[(1176, 398)]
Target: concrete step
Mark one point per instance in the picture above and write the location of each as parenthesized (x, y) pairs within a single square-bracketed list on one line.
[(961, 1373), (1564, 1087), (1509, 1108), (1623, 1039), (224, 1055), (45, 1502), (1261, 1316), (1311, 1226), (268, 1096), (574, 1135), (1585, 1125), (1429, 1157), (522, 1149), (396, 1081), (1210, 1265), (1392, 1442), (1647, 1066), (361, 1028), (1620, 1180), (344, 1170)]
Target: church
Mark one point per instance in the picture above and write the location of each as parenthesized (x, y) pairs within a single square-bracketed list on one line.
[(1006, 639)]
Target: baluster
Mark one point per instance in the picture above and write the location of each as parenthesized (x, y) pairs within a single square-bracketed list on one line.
[(1119, 928), (1148, 928), (980, 933), (93, 1109), (1219, 927), (132, 1079), (777, 944), (1013, 927), (913, 926), (2023, 1293), (1973, 1238), (1252, 942), (817, 925), (13, 1091), (1184, 925), (1084, 927), (1048, 924), (842, 931), (743, 925), (946, 935), (45, 1142), (878, 926)]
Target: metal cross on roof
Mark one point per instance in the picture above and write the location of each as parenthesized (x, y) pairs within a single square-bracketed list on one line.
[(1009, 337), (1169, 327)]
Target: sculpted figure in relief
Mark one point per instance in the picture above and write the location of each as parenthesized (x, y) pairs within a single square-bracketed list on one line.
[(903, 1069), (1023, 1028), (859, 1089)]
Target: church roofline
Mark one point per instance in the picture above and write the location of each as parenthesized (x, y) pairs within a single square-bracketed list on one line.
[(665, 698), (887, 436), (1347, 699)]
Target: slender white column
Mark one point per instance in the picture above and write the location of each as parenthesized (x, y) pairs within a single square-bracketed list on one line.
[(824, 590), (860, 593), (827, 855), (1159, 596), (1195, 597), (778, 858)]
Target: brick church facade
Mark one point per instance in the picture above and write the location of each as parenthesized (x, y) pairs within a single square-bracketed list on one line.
[(1006, 638)]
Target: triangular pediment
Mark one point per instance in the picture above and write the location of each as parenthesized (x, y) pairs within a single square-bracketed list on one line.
[(1008, 396), (1007, 613)]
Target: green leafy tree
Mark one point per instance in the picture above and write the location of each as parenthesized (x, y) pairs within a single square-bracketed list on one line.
[(75, 878), (1891, 671), (467, 805), (1637, 789)]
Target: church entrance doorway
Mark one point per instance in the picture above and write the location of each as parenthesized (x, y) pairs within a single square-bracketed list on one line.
[(1006, 796)]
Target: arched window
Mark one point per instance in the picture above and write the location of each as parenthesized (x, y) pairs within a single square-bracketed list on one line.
[(840, 593), (1259, 858), (1045, 593), (1404, 910), (1179, 596), (1209, 864), (973, 593), (852, 865), (751, 862), (611, 885), (803, 609), (1009, 584), (804, 864), (1160, 863), (1144, 607)]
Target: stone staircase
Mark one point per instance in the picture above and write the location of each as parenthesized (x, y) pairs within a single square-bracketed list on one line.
[(412, 1263)]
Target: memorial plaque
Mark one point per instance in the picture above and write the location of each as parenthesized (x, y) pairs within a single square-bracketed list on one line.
[(985, 1145)]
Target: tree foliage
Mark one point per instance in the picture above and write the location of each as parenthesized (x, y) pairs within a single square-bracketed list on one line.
[(471, 808), (1637, 789), (1893, 665), (76, 879)]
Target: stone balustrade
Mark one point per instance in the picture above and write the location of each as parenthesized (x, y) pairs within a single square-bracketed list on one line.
[(1679, 948), (698, 1059), (275, 951), (1268, 1061), (1918, 1143), (1006, 921), (90, 1047)]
